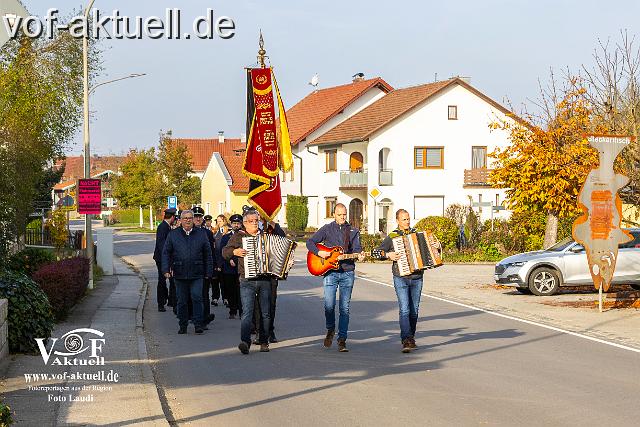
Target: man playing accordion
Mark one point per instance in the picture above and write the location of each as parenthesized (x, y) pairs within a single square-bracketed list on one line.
[(408, 287)]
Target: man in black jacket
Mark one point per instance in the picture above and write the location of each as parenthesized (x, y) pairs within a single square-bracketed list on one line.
[(161, 236), (187, 256), (198, 222)]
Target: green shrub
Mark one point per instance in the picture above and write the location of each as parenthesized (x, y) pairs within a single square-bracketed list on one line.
[(472, 229), (30, 313), (29, 260), (130, 216), (5, 415), (444, 229), (297, 212), (369, 242), (35, 224)]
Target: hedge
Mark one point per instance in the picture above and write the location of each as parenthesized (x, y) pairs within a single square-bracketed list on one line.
[(444, 229), (297, 213), (64, 282), (29, 316)]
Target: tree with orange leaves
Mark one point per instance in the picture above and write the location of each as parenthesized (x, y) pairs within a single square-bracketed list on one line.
[(545, 165)]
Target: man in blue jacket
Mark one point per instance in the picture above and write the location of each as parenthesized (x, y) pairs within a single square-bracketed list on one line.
[(337, 233), (187, 256), (162, 232)]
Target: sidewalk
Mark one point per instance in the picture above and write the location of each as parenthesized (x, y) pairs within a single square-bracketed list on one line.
[(114, 307)]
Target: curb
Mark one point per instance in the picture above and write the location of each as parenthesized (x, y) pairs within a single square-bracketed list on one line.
[(147, 373)]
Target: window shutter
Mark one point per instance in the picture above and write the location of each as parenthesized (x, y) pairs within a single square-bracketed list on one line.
[(433, 157), (419, 157)]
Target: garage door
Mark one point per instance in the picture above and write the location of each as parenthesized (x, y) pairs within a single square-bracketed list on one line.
[(427, 206)]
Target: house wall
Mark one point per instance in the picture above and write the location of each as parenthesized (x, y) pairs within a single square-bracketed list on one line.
[(428, 125), (237, 200), (214, 188), (313, 164)]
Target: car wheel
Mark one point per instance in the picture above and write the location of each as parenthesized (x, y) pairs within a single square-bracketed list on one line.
[(544, 281), (636, 287), (523, 290)]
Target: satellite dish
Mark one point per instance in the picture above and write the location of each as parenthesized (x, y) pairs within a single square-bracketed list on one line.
[(314, 80)]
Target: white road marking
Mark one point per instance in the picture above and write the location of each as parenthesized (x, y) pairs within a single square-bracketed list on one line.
[(529, 322)]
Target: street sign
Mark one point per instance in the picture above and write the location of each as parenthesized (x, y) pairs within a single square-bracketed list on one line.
[(89, 196), (374, 193), (10, 12), (172, 202), (498, 208)]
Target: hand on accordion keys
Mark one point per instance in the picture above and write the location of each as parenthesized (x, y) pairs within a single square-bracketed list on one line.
[(393, 256)]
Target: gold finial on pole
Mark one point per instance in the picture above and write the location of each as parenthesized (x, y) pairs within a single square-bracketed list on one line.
[(262, 54)]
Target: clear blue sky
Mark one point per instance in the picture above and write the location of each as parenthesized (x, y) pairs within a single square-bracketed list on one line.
[(197, 87)]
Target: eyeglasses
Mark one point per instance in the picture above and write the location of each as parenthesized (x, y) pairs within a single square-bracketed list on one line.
[(187, 218), (251, 221)]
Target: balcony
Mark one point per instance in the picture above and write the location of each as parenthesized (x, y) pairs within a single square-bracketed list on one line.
[(385, 177), (477, 177), (353, 180)]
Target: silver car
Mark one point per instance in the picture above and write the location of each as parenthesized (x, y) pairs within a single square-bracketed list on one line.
[(565, 264)]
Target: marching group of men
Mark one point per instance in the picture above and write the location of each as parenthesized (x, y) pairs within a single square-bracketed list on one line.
[(195, 256)]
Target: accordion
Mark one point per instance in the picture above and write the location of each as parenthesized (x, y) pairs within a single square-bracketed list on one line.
[(418, 251), (267, 255)]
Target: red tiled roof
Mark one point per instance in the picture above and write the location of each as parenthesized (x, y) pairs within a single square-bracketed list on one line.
[(75, 165), (201, 150), (64, 185), (233, 162), (318, 107), (362, 125)]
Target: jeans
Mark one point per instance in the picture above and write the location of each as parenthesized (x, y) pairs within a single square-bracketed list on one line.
[(186, 288), (408, 292), (332, 282), (248, 291), (272, 308)]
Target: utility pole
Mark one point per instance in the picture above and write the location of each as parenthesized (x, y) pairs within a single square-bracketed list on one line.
[(87, 151)]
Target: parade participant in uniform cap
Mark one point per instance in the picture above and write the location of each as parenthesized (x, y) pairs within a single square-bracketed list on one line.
[(162, 294), (217, 288), (177, 222), (230, 280), (208, 222), (198, 220), (187, 256)]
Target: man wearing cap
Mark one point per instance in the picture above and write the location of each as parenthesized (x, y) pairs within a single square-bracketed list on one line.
[(162, 296), (187, 256), (208, 220), (198, 220), (229, 278)]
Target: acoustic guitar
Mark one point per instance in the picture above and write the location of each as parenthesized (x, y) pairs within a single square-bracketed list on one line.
[(319, 266)]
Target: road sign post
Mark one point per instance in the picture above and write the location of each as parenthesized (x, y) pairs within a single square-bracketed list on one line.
[(172, 202)]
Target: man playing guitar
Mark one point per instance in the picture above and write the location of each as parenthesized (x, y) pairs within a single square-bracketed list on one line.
[(337, 233)]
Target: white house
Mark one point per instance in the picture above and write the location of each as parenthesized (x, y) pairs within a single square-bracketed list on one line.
[(420, 148), (313, 116)]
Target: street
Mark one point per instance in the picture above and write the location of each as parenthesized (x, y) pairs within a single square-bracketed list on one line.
[(471, 367)]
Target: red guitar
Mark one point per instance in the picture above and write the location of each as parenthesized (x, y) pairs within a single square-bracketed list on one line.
[(319, 266)]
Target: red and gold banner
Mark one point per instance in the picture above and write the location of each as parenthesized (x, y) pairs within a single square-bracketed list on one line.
[(264, 155)]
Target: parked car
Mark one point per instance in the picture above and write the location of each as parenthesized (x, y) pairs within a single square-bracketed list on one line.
[(565, 264)]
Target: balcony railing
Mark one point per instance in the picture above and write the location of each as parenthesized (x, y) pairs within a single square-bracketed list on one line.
[(350, 180), (477, 177), (385, 177)]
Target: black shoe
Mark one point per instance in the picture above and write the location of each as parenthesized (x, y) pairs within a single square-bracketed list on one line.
[(205, 327), (214, 302), (243, 347), (272, 338), (199, 330), (182, 330), (161, 308)]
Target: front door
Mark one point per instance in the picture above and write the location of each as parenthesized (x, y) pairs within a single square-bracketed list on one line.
[(355, 213)]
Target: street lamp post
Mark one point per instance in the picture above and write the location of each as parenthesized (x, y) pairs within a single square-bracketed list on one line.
[(87, 151)]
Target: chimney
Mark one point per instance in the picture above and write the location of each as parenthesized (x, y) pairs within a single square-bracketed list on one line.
[(221, 137), (358, 77)]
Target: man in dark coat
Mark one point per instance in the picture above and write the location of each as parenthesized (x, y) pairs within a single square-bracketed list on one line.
[(187, 256), (198, 222), (162, 232), (229, 277)]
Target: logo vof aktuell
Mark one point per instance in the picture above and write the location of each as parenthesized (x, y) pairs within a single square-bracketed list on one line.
[(74, 346)]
